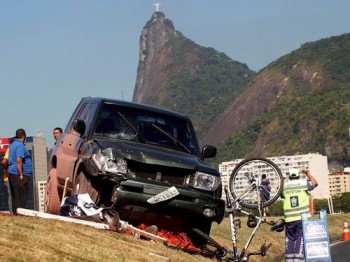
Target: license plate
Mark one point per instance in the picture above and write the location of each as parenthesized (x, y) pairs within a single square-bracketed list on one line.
[(165, 195)]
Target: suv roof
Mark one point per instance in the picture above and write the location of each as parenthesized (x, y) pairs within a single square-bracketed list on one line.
[(133, 104)]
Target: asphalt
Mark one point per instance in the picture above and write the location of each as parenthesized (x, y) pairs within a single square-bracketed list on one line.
[(340, 251)]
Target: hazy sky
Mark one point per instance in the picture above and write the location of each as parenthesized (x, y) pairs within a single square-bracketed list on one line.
[(54, 52)]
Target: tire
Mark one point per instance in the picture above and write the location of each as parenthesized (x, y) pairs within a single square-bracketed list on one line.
[(202, 225), (219, 251), (52, 203), (85, 186), (251, 170)]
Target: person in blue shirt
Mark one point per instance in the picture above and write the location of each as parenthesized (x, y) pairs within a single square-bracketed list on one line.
[(19, 170)]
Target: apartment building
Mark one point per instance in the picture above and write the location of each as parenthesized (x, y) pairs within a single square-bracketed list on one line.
[(339, 182)]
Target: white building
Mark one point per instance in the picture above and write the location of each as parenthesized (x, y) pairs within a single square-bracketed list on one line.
[(316, 163), (339, 182), (41, 193), (38, 150)]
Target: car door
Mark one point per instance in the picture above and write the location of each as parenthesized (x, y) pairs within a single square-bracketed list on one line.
[(67, 151)]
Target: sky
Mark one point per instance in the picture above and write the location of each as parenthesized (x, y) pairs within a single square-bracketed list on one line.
[(54, 52)]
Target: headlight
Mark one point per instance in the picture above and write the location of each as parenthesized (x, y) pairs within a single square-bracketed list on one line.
[(111, 165), (206, 181)]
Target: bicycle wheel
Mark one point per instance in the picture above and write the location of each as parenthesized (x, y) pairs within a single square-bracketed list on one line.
[(245, 182)]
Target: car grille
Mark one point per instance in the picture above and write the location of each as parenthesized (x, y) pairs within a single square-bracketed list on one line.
[(163, 174)]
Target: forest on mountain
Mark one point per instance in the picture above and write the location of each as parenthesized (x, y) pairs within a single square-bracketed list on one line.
[(298, 104)]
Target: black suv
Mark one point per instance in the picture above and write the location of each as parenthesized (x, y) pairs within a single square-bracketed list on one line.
[(144, 162)]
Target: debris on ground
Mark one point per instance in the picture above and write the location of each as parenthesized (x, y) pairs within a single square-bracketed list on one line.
[(33, 213), (175, 239), (172, 239)]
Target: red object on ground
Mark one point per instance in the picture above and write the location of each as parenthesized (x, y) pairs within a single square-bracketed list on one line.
[(175, 239)]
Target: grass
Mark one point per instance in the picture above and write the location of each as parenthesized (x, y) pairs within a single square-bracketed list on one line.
[(37, 239)]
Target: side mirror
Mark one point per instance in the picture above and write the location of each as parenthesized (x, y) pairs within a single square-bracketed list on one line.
[(79, 126), (208, 151)]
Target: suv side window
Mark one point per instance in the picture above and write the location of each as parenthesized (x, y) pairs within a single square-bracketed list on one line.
[(87, 114)]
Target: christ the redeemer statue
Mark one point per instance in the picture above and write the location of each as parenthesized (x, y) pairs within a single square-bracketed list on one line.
[(157, 5)]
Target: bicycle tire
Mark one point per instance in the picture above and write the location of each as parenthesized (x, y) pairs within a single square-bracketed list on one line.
[(252, 168), (220, 250)]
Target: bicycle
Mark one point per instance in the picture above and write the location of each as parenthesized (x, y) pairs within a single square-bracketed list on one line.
[(246, 191)]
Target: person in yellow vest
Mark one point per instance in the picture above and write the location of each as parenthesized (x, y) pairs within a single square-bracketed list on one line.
[(295, 201), (6, 179)]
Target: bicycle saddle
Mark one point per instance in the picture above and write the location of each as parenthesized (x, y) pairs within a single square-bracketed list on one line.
[(251, 222), (278, 226)]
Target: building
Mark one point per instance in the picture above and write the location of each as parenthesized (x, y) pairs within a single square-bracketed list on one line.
[(225, 169), (339, 182), (38, 151), (40, 185), (316, 163)]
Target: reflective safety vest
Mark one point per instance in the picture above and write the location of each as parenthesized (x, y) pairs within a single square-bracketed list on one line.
[(296, 199)]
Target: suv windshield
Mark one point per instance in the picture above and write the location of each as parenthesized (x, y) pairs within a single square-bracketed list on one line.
[(132, 124)]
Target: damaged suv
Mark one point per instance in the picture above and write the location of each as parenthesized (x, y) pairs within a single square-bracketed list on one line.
[(142, 161)]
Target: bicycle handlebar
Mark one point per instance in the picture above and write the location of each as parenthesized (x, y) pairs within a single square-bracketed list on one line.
[(263, 250)]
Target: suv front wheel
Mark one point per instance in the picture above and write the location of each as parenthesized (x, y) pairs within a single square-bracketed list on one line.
[(83, 185), (51, 198)]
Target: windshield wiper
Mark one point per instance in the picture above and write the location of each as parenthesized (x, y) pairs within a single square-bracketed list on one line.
[(139, 135), (177, 141)]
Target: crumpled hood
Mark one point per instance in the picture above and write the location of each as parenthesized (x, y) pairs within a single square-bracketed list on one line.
[(151, 154)]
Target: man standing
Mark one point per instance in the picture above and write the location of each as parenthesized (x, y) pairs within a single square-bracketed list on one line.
[(265, 189), (19, 170), (295, 201)]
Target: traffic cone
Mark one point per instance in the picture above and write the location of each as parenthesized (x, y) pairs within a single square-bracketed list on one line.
[(346, 233)]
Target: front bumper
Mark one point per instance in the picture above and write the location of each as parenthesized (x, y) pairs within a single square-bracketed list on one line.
[(132, 195)]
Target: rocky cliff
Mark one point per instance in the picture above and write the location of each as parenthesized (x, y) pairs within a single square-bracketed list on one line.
[(151, 79)]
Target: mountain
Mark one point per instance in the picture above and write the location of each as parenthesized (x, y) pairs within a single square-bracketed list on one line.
[(300, 103), (295, 105), (177, 74)]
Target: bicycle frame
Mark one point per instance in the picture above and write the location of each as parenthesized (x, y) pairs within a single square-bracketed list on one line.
[(235, 206), (246, 190)]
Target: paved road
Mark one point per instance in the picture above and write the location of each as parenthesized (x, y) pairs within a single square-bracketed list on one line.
[(340, 251)]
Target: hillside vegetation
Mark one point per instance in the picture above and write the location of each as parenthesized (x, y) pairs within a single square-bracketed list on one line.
[(299, 127), (203, 89)]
